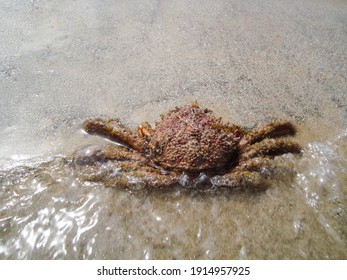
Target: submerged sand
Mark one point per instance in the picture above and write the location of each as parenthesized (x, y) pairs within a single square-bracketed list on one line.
[(248, 61)]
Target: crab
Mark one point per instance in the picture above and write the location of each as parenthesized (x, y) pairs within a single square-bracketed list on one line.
[(188, 146)]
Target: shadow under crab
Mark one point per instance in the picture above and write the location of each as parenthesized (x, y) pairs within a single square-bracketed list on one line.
[(189, 146)]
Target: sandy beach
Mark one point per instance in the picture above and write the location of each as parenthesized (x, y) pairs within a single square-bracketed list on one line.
[(248, 61)]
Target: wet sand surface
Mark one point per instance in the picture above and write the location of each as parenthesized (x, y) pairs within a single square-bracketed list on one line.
[(249, 61)]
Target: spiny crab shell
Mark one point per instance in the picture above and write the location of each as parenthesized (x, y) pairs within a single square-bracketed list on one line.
[(192, 139)]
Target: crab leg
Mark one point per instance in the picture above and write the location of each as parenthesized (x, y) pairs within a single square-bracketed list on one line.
[(270, 147), (115, 130), (135, 175), (126, 168), (253, 164), (94, 154), (269, 130), (240, 179), (119, 153), (156, 180), (246, 174), (138, 181)]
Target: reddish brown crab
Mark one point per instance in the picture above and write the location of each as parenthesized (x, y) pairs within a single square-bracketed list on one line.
[(188, 142)]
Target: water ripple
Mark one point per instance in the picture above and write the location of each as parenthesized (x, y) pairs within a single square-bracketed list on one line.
[(47, 213)]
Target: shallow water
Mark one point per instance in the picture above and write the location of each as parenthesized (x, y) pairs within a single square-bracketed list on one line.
[(248, 61), (47, 212)]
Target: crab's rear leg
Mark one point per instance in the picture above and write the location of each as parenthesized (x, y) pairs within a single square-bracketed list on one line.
[(115, 130), (270, 130), (241, 179), (250, 173), (252, 169), (120, 167), (139, 175), (94, 154), (151, 179), (269, 148)]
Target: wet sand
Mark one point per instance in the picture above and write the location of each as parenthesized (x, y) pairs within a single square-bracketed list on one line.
[(249, 61)]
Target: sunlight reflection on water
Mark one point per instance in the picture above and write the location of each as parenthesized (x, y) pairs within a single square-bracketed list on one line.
[(47, 212)]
